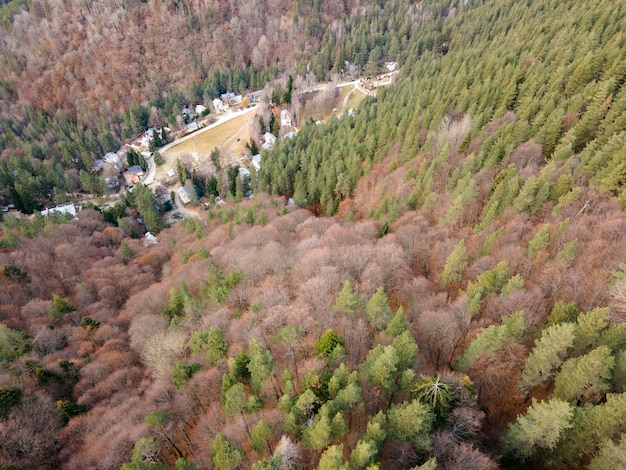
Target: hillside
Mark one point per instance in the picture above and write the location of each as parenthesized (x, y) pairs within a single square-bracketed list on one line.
[(446, 290)]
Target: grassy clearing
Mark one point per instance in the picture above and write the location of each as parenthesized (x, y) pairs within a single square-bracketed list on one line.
[(204, 142)]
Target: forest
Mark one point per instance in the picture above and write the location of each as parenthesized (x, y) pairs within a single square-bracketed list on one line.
[(435, 282)]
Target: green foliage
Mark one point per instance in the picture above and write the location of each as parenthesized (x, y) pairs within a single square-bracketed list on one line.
[(492, 338), (543, 425), (435, 393), (9, 397), (332, 459), (548, 354), (144, 448), (225, 454), (563, 312), (216, 344), (60, 307), (235, 400), (411, 422), (455, 264), (539, 242), (184, 464), (182, 372), (398, 324), (347, 301), (69, 409), (15, 274), (586, 378), (13, 344), (260, 435), (327, 343), (218, 286), (489, 282), (261, 364), (377, 310)]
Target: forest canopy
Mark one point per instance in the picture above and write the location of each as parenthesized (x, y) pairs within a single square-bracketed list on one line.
[(446, 287)]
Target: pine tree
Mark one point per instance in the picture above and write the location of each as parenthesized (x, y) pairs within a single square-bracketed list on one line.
[(455, 264), (377, 310), (548, 354), (541, 427)]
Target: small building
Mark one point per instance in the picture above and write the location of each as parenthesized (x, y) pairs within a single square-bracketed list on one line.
[(171, 173), (98, 165), (163, 195), (200, 108), (219, 106), (150, 239), (269, 138), (226, 97), (182, 193), (111, 158), (133, 174), (256, 162), (66, 209), (289, 135), (112, 182), (255, 96), (191, 127), (285, 118), (391, 66), (244, 174)]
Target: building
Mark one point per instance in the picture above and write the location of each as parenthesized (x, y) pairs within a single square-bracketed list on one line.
[(256, 162), (66, 209), (219, 105), (269, 141), (133, 174), (184, 196), (200, 108), (191, 127), (285, 118)]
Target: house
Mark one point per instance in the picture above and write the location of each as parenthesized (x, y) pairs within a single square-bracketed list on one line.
[(200, 108), (149, 239), (191, 127), (243, 173), (163, 195), (391, 66), (270, 140), (219, 106), (226, 97), (111, 158), (289, 135), (112, 182), (66, 209), (171, 173), (256, 162), (255, 96), (184, 196), (285, 118), (133, 174), (98, 166)]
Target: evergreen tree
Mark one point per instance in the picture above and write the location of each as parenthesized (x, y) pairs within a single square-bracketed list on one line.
[(543, 425)]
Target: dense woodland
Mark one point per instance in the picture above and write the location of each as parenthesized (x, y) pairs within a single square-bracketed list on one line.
[(448, 290)]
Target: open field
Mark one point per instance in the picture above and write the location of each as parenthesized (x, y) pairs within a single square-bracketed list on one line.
[(205, 142), (355, 98)]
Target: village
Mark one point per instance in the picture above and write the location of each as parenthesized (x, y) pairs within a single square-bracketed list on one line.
[(225, 125)]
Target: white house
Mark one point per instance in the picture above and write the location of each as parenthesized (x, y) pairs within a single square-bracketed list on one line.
[(285, 118), (269, 140), (182, 193), (200, 108), (66, 209), (219, 105), (256, 162), (111, 158)]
